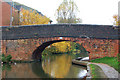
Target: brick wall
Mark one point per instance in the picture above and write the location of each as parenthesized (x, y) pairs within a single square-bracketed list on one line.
[(22, 49), (5, 13)]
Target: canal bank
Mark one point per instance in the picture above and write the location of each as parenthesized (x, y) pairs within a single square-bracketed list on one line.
[(109, 71), (98, 70)]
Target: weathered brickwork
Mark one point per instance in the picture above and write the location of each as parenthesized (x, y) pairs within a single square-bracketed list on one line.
[(57, 30), (22, 49)]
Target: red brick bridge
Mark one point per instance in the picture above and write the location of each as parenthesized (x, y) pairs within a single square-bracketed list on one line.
[(28, 42)]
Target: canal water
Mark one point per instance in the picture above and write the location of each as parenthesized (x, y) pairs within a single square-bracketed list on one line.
[(52, 66)]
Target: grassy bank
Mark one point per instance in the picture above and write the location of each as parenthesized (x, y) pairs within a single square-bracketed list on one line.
[(111, 61), (96, 72)]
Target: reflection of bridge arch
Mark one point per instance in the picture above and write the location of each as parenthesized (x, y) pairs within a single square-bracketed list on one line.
[(38, 70)]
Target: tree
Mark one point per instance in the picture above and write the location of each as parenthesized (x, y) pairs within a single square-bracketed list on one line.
[(116, 20), (29, 17), (62, 47), (67, 12)]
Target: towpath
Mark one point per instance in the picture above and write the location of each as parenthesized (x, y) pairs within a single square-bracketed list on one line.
[(110, 72)]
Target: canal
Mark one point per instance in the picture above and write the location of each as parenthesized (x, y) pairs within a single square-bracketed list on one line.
[(52, 66)]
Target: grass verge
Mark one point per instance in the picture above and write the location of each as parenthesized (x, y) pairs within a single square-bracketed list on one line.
[(111, 61), (96, 72)]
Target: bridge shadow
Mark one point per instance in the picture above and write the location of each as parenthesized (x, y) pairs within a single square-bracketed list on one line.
[(37, 54), (38, 70)]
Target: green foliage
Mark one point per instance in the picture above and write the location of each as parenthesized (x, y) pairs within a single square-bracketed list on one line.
[(92, 66), (3, 58), (62, 47), (96, 72), (6, 58), (81, 48), (65, 47), (111, 61), (52, 49), (6, 67), (73, 46), (118, 57)]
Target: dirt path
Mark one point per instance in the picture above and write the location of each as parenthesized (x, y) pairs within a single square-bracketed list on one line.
[(110, 72)]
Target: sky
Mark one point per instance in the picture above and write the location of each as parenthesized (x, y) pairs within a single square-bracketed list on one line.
[(98, 12)]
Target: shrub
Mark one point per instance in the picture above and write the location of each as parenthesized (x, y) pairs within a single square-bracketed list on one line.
[(118, 57), (6, 59)]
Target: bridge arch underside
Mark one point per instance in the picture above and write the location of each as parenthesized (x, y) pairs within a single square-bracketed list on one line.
[(37, 54), (29, 49)]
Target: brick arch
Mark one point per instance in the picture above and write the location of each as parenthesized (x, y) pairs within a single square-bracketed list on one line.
[(37, 53)]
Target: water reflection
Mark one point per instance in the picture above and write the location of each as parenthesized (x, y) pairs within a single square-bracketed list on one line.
[(61, 67), (20, 70), (38, 70), (54, 66)]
